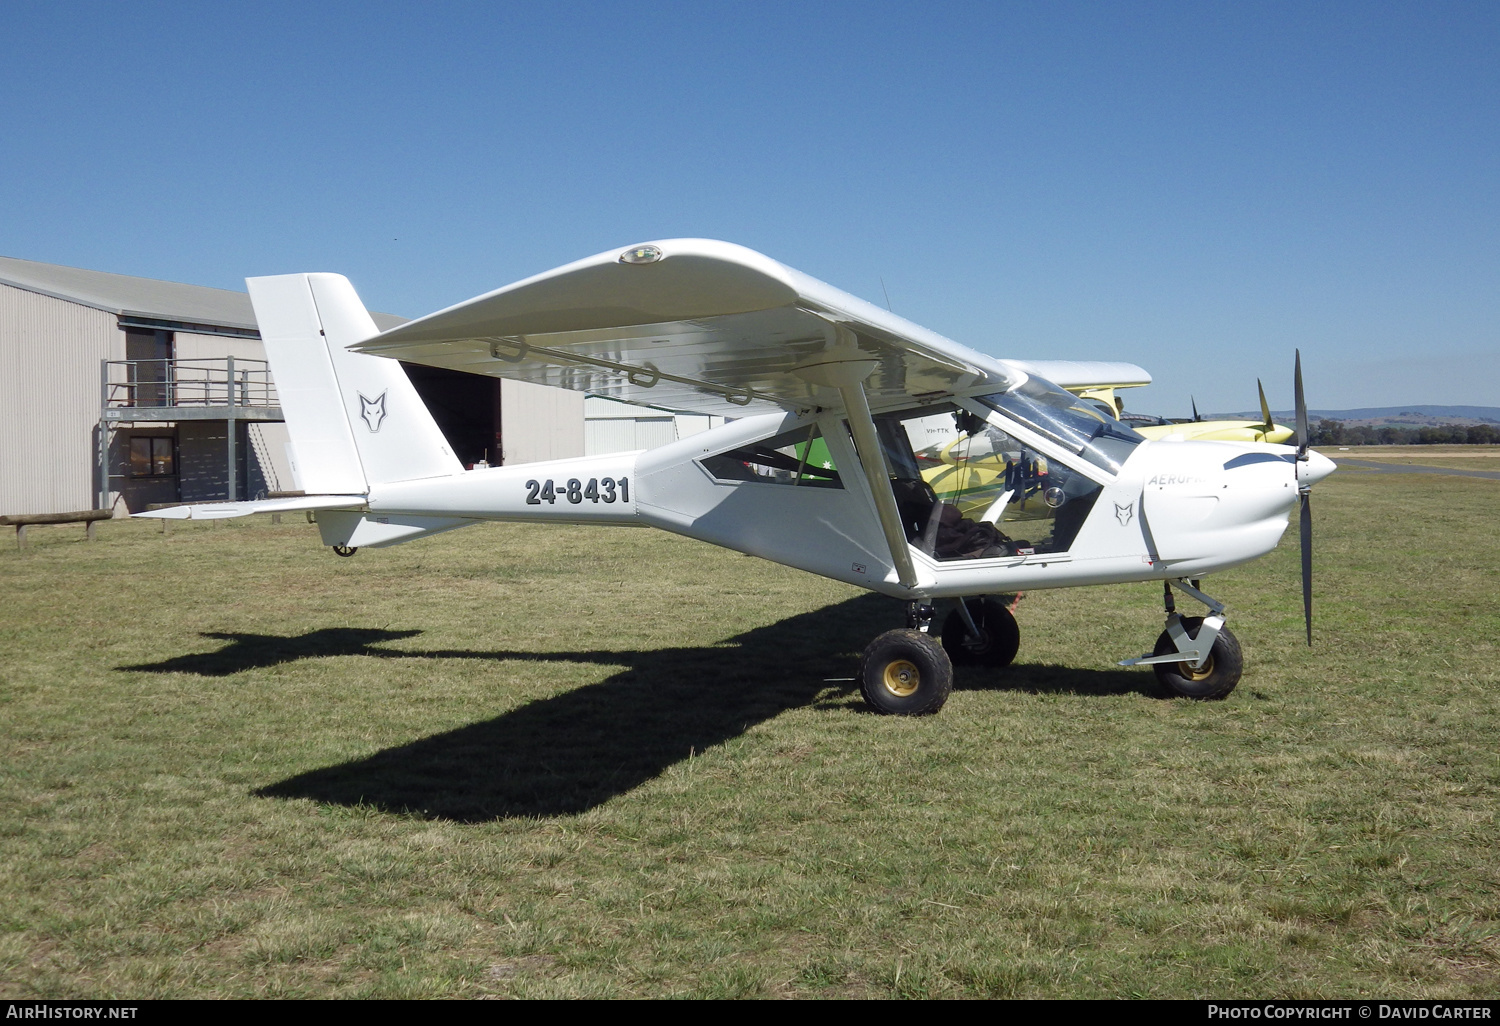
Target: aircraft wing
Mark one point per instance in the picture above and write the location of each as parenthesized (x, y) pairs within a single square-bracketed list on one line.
[(1085, 375), (688, 324)]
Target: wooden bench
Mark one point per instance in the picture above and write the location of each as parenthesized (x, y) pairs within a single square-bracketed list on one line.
[(87, 517)]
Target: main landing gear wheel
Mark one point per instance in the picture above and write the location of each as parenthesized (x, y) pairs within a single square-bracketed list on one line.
[(1217, 676), (999, 635), (905, 672)]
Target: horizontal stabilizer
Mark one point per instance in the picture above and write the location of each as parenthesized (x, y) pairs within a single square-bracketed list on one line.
[(224, 510)]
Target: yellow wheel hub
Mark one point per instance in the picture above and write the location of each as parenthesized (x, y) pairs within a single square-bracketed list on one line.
[(1202, 673), (902, 678)]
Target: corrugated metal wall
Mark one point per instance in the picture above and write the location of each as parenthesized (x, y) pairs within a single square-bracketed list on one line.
[(612, 426), (188, 346), (692, 423), (539, 423), (619, 434), (49, 400)]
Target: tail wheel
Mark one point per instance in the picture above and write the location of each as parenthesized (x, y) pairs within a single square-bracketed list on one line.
[(1217, 676), (905, 672), (999, 635)]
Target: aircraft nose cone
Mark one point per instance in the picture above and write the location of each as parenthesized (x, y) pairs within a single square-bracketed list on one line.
[(1314, 469)]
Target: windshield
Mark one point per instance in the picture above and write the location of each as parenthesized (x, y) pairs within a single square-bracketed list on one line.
[(1069, 421), (967, 490)]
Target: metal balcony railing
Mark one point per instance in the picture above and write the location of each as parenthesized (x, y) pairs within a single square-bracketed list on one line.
[(156, 384), (228, 388)]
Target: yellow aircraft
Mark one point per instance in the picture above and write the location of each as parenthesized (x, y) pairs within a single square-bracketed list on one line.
[(1263, 430), (996, 483), (972, 473)]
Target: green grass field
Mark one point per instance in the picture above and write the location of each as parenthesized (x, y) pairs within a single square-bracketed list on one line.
[(548, 762)]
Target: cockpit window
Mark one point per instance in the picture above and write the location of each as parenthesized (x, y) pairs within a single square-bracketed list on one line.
[(797, 457), (1062, 417)]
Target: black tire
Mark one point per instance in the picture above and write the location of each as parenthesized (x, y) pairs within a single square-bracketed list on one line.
[(999, 636), (905, 673), (1218, 676)]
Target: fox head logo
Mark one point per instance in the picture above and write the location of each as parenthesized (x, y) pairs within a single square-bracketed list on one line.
[(372, 410), (1122, 513)]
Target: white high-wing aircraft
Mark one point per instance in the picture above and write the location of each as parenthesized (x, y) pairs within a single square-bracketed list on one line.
[(834, 400)]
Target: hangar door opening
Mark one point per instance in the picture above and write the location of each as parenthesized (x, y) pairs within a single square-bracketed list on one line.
[(466, 408), (499, 421)]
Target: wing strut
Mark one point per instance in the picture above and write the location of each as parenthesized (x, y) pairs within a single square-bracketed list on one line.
[(845, 368)]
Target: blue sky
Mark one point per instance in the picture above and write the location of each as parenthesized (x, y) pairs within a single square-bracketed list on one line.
[(1199, 188)]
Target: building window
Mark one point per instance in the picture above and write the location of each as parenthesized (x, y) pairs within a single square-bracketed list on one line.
[(152, 457)]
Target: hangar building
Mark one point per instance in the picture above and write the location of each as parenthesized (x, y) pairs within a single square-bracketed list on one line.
[(124, 393)]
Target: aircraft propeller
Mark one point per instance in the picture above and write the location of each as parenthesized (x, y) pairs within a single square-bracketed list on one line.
[(1304, 492), (1265, 409)]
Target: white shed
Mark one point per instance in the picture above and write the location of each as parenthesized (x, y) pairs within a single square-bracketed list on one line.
[(612, 426)]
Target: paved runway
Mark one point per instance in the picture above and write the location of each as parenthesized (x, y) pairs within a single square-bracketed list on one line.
[(1412, 468)]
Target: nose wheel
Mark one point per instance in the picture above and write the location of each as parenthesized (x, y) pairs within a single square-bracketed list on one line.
[(1196, 656), (1219, 672)]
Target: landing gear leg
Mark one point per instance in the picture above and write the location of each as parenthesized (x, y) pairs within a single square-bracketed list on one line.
[(906, 672), (919, 616), (1196, 656)]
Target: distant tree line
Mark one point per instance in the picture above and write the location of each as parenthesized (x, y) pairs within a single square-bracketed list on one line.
[(1336, 432)]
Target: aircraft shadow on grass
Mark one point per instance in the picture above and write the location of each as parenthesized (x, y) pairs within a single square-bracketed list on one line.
[(574, 751)]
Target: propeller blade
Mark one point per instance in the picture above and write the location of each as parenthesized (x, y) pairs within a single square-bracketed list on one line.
[(1303, 435), (1305, 526), (1265, 408), (1196, 417)]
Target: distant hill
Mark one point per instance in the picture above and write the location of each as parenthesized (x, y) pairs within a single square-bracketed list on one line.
[(1406, 416)]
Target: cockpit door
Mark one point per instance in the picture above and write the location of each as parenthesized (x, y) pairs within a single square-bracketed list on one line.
[(969, 489)]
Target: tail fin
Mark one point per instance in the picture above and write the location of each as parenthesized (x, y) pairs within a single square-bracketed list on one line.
[(355, 420)]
